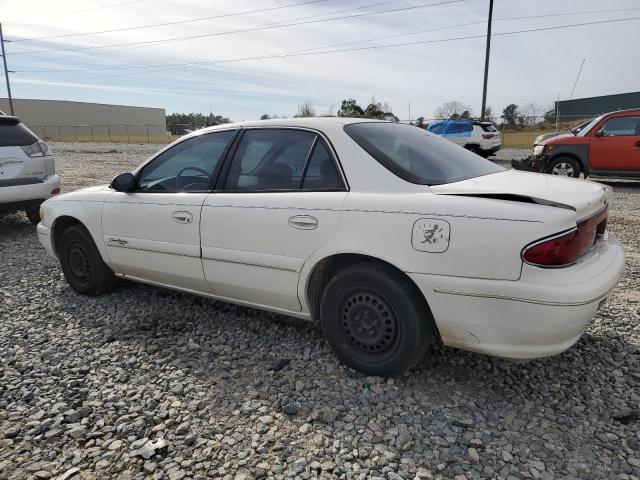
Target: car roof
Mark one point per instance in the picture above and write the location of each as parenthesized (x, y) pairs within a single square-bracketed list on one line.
[(628, 110), (306, 122)]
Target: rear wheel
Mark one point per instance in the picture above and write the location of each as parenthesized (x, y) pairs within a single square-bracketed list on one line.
[(564, 167), (375, 320), (82, 264)]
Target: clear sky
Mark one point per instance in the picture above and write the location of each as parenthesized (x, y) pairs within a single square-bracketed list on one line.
[(525, 67)]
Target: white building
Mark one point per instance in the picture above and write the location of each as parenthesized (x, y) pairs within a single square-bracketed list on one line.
[(61, 119)]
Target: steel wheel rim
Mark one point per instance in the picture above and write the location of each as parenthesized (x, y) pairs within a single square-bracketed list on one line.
[(563, 169), (79, 261), (369, 324)]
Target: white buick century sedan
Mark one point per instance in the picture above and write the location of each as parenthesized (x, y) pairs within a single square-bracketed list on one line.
[(389, 236)]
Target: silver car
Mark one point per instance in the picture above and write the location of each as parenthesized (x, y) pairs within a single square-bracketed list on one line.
[(27, 169)]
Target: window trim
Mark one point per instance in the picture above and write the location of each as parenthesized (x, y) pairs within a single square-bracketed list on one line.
[(222, 178), (607, 120), (212, 177)]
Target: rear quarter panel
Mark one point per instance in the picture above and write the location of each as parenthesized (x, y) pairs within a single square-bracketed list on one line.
[(486, 236)]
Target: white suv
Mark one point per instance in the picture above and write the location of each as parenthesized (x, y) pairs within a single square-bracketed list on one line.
[(482, 138), (27, 169)]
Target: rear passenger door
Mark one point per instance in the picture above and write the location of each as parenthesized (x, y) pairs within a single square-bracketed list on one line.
[(277, 203)]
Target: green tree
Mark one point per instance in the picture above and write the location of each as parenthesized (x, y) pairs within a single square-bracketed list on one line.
[(177, 123), (510, 114), (265, 116), (350, 108)]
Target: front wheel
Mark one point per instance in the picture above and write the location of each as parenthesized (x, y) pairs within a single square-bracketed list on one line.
[(82, 264), (564, 167), (375, 320)]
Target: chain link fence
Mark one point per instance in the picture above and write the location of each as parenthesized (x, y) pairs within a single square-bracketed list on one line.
[(130, 133), (516, 132)]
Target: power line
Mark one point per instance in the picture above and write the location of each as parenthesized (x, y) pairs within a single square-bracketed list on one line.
[(169, 66), (109, 6), (242, 30), (193, 20), (458, 25), (177, 22)]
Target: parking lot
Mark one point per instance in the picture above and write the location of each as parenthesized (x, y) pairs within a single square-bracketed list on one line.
[(240, 393)]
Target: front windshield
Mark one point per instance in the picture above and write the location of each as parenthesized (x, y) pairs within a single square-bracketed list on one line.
[(418, 156), (589, 126), (577, 129)]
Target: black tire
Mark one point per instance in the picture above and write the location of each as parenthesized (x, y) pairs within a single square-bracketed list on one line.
[(33, 214), (82, 264), (474, 148), (564, 166), (375, 320)]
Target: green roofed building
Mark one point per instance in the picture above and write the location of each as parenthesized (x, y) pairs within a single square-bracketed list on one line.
[(580, 108)]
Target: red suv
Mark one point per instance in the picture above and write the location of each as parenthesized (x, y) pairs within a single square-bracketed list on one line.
[(607, 146)]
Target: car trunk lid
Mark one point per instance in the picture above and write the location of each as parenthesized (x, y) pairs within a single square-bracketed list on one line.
[(585, 198), (15, 163)]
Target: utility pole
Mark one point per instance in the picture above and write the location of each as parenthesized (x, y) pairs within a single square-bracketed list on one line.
[(486, 61), (6, 72)]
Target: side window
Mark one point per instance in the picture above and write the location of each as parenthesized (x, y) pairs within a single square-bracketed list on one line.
[(269, 159), (188, 166), (622, 127), (322, 172)]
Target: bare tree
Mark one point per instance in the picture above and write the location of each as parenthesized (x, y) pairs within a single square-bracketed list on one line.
[(327, 112), (306, 109), (453, 110), (488, 114), (533, 113)]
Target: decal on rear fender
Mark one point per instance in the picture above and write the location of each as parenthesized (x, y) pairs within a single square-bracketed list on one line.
[(431, 235)]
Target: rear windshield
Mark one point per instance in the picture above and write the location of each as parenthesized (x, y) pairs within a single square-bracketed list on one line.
[(487, 127), (15, 134), (417, 156)]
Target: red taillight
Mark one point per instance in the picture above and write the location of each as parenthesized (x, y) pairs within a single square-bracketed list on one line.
[(487, 136), (55, 191), (565, 249)]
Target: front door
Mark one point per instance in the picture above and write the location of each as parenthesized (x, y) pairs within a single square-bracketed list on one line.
[(153, 233), (280, 202), (616, 147)]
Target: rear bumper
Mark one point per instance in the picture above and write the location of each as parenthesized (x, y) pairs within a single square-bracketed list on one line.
[(542, 314), (21, 197)]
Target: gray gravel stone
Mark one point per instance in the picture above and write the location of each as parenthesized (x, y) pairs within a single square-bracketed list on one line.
[(150, 383)]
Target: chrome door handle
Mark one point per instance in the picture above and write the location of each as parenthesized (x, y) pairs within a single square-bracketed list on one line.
[(637, 144), (303, 222), (182, 217)]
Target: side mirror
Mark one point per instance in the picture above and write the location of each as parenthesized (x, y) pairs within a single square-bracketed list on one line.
[(125, 182), (599, 133)]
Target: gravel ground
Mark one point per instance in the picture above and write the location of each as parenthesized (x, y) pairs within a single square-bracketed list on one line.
[(149, 383)]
